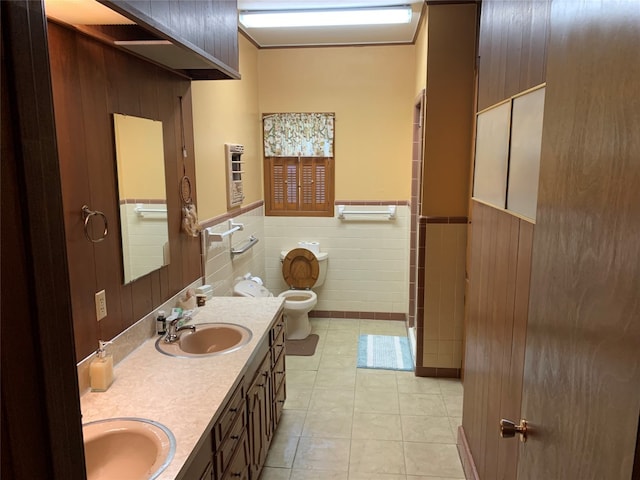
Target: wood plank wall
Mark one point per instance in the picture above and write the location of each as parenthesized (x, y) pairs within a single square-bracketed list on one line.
[(498, 299), (91, 81), (512, 48)]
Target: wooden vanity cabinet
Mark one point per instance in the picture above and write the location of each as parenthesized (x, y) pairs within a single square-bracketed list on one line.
[(239, 442)]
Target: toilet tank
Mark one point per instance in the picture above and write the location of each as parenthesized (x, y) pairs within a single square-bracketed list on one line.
[(322, 264)]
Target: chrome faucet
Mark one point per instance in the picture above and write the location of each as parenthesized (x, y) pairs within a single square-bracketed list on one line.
[(173, 330)]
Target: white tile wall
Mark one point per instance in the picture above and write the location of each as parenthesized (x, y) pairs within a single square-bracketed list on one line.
[(146, 239), (221, 271), (368, 259)]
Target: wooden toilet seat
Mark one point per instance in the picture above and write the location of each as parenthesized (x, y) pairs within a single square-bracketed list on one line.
[(300, 268)]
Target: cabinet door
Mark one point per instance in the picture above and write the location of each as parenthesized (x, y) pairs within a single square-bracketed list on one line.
[(259, 409)]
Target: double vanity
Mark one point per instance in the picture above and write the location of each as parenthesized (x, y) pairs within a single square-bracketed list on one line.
[(218, 392)]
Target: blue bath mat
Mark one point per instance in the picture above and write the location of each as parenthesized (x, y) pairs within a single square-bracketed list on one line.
[(384, 352)]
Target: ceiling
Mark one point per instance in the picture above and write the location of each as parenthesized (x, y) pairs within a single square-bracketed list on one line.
[(90, 12)]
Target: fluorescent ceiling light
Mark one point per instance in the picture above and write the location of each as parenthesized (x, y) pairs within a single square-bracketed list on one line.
[(320, 18)]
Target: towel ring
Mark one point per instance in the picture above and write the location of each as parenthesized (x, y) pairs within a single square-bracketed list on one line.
[(87, 214)]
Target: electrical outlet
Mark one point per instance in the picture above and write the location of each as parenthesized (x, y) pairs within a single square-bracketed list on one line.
[(101, 305)]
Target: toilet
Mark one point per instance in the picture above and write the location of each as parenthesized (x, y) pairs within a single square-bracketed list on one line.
[(301, 269)]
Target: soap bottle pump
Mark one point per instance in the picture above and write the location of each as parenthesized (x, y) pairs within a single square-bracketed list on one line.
[(101, 369)]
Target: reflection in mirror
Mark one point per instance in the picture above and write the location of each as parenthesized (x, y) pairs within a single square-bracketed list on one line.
[(142, 195)]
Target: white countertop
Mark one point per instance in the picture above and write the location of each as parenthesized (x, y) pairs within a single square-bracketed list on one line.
[(183, 394)]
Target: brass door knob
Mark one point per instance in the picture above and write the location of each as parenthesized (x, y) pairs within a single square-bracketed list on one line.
[(509, 429)]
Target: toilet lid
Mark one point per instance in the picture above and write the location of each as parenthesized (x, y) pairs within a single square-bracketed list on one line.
[(300, 268)]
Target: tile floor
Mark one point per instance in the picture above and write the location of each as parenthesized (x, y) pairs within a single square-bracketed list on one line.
[(346, 423)]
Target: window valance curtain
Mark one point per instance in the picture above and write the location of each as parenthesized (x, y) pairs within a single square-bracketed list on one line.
[(299, 134)]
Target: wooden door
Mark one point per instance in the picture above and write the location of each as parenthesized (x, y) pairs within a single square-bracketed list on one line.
[(581, 391)]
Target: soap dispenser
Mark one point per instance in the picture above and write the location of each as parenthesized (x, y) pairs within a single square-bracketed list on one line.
[(101, 369)]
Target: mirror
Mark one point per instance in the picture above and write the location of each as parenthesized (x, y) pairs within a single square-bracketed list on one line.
[(142, 195)]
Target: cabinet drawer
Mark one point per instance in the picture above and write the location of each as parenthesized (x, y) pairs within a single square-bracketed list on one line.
[(279, 372), (234, 407), (239, 465), (278, 346), (225, 451)]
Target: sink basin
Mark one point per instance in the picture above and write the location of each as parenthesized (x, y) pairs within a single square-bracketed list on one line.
[(208, 339), (132, 448)]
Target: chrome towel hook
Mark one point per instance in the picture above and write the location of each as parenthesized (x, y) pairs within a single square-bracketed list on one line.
[(87, 214)]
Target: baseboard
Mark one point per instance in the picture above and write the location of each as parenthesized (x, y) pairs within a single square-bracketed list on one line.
[(468, 465), (437, 372), (399, 317)]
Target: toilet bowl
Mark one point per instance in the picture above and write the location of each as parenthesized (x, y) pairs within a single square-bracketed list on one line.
[(297, 305), (301, 269)]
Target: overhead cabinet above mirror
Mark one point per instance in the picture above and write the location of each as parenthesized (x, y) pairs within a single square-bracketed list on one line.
[(196, 38)]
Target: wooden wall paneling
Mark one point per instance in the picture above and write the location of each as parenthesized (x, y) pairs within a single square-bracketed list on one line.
[(103, 183), (501, 331), (76, 190), (582, 365), (512, 48), (472, 346), (191, 245), (91, 82), (498, 291), (511, 392)]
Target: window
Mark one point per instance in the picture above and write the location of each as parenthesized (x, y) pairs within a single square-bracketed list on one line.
[(299, 164)]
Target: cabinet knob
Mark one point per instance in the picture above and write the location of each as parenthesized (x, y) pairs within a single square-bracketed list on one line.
[(509, 429), (235, 437), (236, 474)]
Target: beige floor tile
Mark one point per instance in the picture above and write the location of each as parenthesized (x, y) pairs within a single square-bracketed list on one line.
[(376, 401), (432, 459), (331, 400), (377, 456), (328, 425), (376, 426), (297, 398), (271, 473), (450, 386), (319, 324), (455, 422), (346, 362), (322, 454), (375, 476), (409, 383), (303, 363), (301, 378), (282, 451), (317, 475), (341, 336), (344, 324), (341, 348), (422, 404), (453, 404), (292, 422), (336, 378), (426, 429), (383, 327), (376, 379)]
